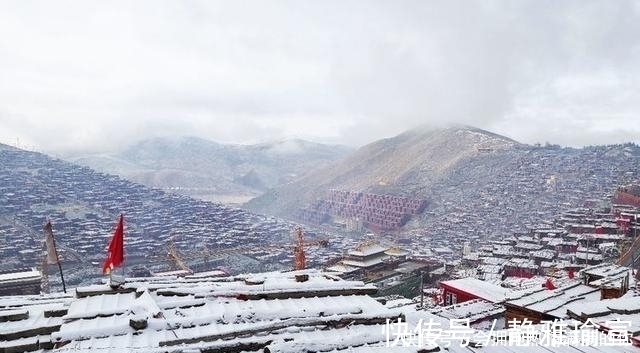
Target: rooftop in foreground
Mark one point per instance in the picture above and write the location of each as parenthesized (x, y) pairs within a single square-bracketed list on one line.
[(263, 312)]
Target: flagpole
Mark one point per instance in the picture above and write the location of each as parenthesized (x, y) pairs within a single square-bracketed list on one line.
[(64, 287), (55, 250), (124, 258)]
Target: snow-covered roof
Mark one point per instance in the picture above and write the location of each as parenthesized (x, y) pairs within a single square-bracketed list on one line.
[(594, 236), (536, 282), (213, 273), (489, 260), (474, 310), (172, 273), (362, 263), (104, 304), (182, 314), (481, 336), (544, 254), (489, 269), (521, 263), (396, 251), (342, 268), (474, 256), (368, 249), (554, 302), (625, 308), (588, 256), (40, 315), (529, 246), (605, 270), (615, 279), (20, 276), (410, 266), (559, 264), (168, 315), (502, 250), (481, 289)]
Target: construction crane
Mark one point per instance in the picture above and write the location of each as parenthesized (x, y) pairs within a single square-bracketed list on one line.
[(206, 254), (629, 257), (300, 262), (632, 254), (300, 258), (175, 257)]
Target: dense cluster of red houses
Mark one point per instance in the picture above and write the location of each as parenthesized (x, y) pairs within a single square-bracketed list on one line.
[(380, 212), (628, 195)]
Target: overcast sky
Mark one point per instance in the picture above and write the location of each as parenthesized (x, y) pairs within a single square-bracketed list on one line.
[(94, 75)]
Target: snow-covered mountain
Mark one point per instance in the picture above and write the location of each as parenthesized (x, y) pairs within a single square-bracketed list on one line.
[(210, 170)]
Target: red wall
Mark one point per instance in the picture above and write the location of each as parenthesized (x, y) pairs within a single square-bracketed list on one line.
[(461, 296), (626, 198), (519, 272)]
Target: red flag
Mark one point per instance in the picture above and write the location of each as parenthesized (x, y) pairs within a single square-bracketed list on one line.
[(571, 274), (116, 249), (549, 284)]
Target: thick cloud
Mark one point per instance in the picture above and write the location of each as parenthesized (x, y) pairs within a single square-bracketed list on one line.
[(94, 75)]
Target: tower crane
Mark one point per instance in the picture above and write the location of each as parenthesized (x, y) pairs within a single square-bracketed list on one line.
[(298, 251), (300, 258), (175, 257)]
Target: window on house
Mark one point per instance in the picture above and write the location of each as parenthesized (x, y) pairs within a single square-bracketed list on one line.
[(450, 299)]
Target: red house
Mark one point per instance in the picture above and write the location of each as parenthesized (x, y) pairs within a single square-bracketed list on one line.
[(465, 289), (523, 268)]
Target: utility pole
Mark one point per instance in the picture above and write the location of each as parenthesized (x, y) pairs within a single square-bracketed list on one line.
[(635, 231), (587, 261), (421, 290)]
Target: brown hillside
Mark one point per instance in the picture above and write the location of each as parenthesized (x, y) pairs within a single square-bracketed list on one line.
[(419, 156)]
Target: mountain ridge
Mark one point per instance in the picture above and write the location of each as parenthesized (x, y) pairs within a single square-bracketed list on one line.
[(211, 170), (379, 165), (459, 168)]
